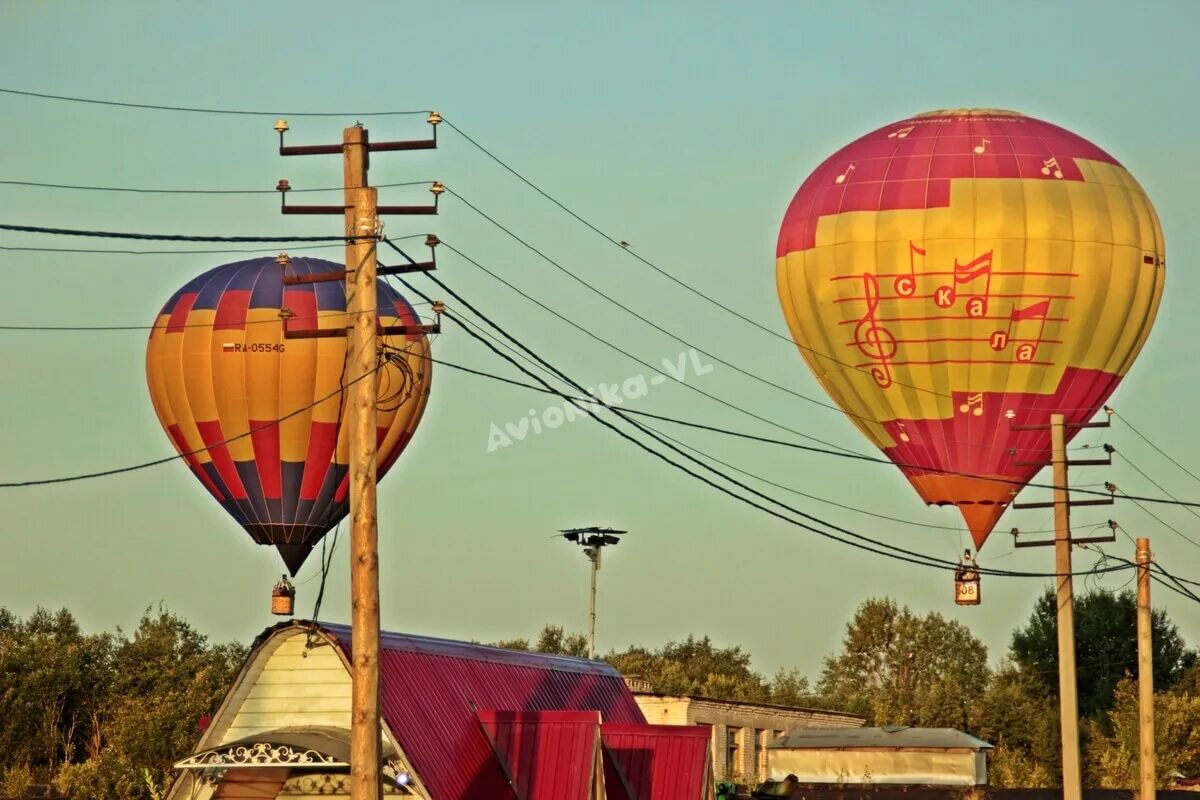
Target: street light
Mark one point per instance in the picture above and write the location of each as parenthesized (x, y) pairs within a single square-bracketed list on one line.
[(592, 540)]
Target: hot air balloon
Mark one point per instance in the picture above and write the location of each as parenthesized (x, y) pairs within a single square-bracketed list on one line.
[(259, 417), (960, 274)]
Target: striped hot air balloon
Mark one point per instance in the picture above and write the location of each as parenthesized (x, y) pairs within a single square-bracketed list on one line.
[(259, 417), (959, 274)]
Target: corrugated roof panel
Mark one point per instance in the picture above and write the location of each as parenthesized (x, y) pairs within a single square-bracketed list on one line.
[(430, 689), (656, 762), (548, 755)]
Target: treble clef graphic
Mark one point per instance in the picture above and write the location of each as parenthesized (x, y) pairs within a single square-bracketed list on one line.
[(872, 339)]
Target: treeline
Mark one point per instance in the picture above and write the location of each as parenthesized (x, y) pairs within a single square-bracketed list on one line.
[(103, 716), (896, 667)]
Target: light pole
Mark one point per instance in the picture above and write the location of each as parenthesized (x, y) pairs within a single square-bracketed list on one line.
[(592, 540)]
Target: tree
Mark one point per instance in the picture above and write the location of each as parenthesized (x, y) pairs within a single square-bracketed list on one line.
[(697, 667), (1112, 758), (1105, 646), (104, 716), (1020, 718), (52, 677), (901, 669)]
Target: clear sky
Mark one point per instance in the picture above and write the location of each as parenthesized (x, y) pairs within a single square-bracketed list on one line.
[(683, 128)]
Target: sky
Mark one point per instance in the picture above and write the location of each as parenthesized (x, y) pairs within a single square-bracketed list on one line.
[(682, 128)]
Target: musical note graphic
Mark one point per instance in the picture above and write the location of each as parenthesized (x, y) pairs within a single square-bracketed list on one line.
[(872, 339), (1051, 164), (1026, 350), (903, 433), (982, 146), (973, 405), (980, 266), (842, 178), (906, 285), (902, 133)]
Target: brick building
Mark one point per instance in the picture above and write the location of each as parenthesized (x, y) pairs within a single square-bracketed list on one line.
[(740, 731)]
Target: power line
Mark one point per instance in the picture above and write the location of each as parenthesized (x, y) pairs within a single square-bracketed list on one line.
[(176, 237), (626, 353), (36, 184), (617, 242), (102, 251), (1161, 452), (840, 451), (601, 293), (194, 110), (156, 462), (675, 420), (909, 556)]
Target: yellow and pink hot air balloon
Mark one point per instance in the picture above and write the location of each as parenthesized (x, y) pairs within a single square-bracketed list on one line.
[(958, 275)]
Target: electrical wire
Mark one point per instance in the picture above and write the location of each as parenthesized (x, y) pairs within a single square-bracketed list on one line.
[(168, 459), (101, 251), (896, 553), (841, 452), (38, 185), (630, 355), (632, 312), (595, 402), (1160, 451), (177, 237), (195, 110), (610, 239)]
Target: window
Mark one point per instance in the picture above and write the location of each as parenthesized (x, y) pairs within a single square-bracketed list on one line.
[(761, 738), (733, 750)]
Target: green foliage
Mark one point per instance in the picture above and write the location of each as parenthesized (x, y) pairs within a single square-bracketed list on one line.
[(1113, 754), (697, 667), (901, 669), (1105, 646), (105, 716), (1020, 717)]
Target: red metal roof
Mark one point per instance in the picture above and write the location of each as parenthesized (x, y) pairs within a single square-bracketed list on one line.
[(431, 688), (548, 755), (655, 762)]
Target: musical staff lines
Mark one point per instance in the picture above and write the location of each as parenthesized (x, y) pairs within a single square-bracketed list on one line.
[(991, 326)]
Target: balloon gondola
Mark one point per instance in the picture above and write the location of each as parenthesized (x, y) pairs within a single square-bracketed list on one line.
[(258, 416), (954, 278)]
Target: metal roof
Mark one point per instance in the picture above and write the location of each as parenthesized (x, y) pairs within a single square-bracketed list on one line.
[(655, 762), (886, 737), (431, 688), (547, 755)]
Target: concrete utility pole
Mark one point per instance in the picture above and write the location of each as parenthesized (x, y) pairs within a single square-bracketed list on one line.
[(1067, 682), (593, 540), (1146, 765), (1068, 701), (363, 231)]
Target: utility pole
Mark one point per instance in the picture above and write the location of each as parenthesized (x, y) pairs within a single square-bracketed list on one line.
[(1146, 765), (363, 231), (1063, 541), (593, 540)]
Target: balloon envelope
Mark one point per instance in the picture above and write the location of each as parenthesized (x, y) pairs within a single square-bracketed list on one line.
[(956, 276), (258, 418)]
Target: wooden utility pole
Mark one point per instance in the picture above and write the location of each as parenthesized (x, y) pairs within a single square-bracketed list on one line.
[(1072, 778), (362, 380), (1146, 766), (361, 211)]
